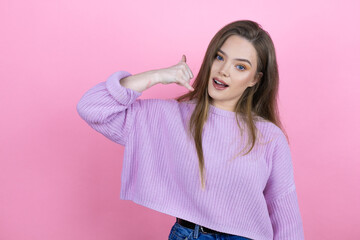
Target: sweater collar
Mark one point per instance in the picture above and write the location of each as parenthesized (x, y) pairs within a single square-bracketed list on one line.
[(221, 112), (216, 110)]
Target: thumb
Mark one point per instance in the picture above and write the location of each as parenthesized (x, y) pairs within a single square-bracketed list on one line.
[(183, 59)]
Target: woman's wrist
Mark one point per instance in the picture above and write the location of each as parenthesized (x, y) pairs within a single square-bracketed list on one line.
[(141, 81)]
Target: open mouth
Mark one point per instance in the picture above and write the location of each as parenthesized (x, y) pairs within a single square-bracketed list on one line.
[(219, 83)]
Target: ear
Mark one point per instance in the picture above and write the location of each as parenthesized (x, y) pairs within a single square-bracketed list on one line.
[(257, 78)]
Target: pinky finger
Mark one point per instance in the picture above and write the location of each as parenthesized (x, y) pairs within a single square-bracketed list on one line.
[(188, 86)]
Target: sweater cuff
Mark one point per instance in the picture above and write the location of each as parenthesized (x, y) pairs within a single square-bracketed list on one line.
[(121, 94)]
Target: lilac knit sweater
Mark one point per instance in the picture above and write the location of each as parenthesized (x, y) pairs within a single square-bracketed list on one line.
[(252, 196)]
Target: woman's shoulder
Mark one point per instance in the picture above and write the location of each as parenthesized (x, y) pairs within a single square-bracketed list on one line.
[(269, 129)]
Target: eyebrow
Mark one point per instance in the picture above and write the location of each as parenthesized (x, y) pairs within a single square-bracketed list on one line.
[(238, 59)]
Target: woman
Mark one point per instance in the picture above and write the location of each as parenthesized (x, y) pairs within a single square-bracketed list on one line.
[(182, 156)]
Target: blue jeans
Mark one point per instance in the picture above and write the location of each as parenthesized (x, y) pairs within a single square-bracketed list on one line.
[(179, 232)]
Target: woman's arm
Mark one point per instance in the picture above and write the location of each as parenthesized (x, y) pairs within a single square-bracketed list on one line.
[(110, 107), (179, 73)]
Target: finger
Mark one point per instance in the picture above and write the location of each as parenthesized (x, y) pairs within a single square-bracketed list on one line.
[(183, 58), (187, 85), (189, 71), (186, 74), (190, 74)]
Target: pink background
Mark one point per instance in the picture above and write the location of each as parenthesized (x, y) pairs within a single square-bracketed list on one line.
[(59, 179)]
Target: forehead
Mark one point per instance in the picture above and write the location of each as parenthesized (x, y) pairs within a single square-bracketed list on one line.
[(238, 47)]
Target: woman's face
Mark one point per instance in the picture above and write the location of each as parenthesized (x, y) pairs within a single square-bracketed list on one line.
[(235, 65)]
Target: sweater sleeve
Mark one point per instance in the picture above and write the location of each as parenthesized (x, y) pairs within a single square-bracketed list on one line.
[(281, 197), (110, 108)]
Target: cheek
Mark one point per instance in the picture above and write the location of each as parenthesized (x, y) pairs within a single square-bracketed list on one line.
[(241, 80), (242, 76), (214, 67)]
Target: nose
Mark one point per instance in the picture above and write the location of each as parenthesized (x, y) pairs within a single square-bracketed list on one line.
[(224, 70)]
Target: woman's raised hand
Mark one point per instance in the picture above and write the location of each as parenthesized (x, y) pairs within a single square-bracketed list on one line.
[(179, 74)]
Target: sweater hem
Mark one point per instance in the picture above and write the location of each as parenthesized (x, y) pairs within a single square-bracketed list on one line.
[(174, 213)]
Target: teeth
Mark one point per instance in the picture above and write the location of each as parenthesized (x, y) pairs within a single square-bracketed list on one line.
[(219, 82)]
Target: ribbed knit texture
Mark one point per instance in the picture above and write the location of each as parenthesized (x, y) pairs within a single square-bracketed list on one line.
[(252, 196)]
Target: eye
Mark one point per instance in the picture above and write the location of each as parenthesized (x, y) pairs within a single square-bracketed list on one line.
[(240, 67), (218, 57)]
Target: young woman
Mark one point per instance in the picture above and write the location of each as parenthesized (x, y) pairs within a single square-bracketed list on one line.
[(215, 158)]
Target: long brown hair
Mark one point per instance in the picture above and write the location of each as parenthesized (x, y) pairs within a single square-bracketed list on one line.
[(258, 100)]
